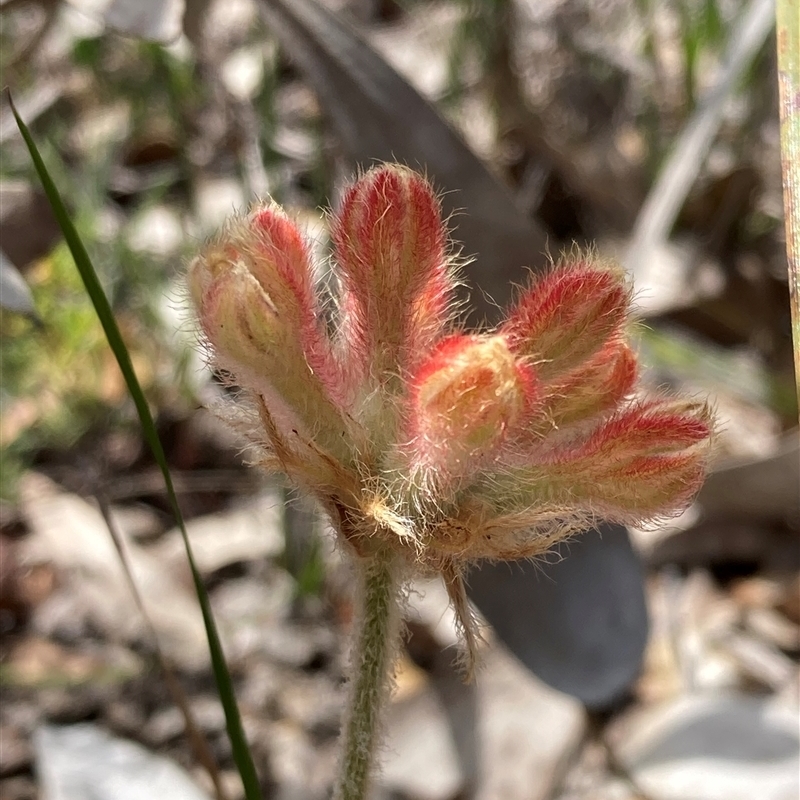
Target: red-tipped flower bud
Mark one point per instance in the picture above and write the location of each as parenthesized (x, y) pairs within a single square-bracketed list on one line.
[(465, 399), (646, 461), (655, 427), (567, 315), (253, 288), (390, 246), (644, 488), (599, 385)]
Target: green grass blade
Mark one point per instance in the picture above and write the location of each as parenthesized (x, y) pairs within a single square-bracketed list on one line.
[(241, 751)]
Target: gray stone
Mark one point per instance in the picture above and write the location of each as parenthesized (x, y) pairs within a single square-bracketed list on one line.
[(525, 735), (419, 759), (250, 531), (578, 622), (82, 762), (713, 747), (15, 294), (527, 732), (70, 534)]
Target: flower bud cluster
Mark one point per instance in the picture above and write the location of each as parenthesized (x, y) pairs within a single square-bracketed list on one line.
[(421, 439)]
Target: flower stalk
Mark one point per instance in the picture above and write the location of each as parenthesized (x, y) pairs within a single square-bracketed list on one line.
[(428, 447), (374, 641)]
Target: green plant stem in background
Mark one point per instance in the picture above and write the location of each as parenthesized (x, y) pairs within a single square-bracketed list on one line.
[(239, 746), (371, 656), (788, 23)]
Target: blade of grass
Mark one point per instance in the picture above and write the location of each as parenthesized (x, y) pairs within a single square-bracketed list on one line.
[(241, 751), (788, 21), (198, 742)]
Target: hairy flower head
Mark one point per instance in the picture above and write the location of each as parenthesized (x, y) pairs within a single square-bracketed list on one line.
[(417, 438)]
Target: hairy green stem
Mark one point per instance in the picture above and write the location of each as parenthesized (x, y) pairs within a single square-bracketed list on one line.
[(371, 657)]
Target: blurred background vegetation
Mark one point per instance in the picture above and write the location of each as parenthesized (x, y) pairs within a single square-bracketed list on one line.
[(157, 125)]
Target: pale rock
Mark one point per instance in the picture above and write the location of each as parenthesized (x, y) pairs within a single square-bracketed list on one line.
[(674, 276), (216, 198), (295, 142), (155, 20), (526, 734), (419, 759), (139, 522), (250, 531), (301, 771), (419, 48), (82, 762), (253, 618), (100, 128), (69, 533), (243, 72), (429, 605), (527, 731), (712, 747), (177, 315), (229, 18), (157, 231), (78, 19)]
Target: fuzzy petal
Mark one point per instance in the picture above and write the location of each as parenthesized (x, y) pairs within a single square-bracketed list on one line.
[(397, 281), (253, 289), (464, 401), (567, 315), (599, 385)]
